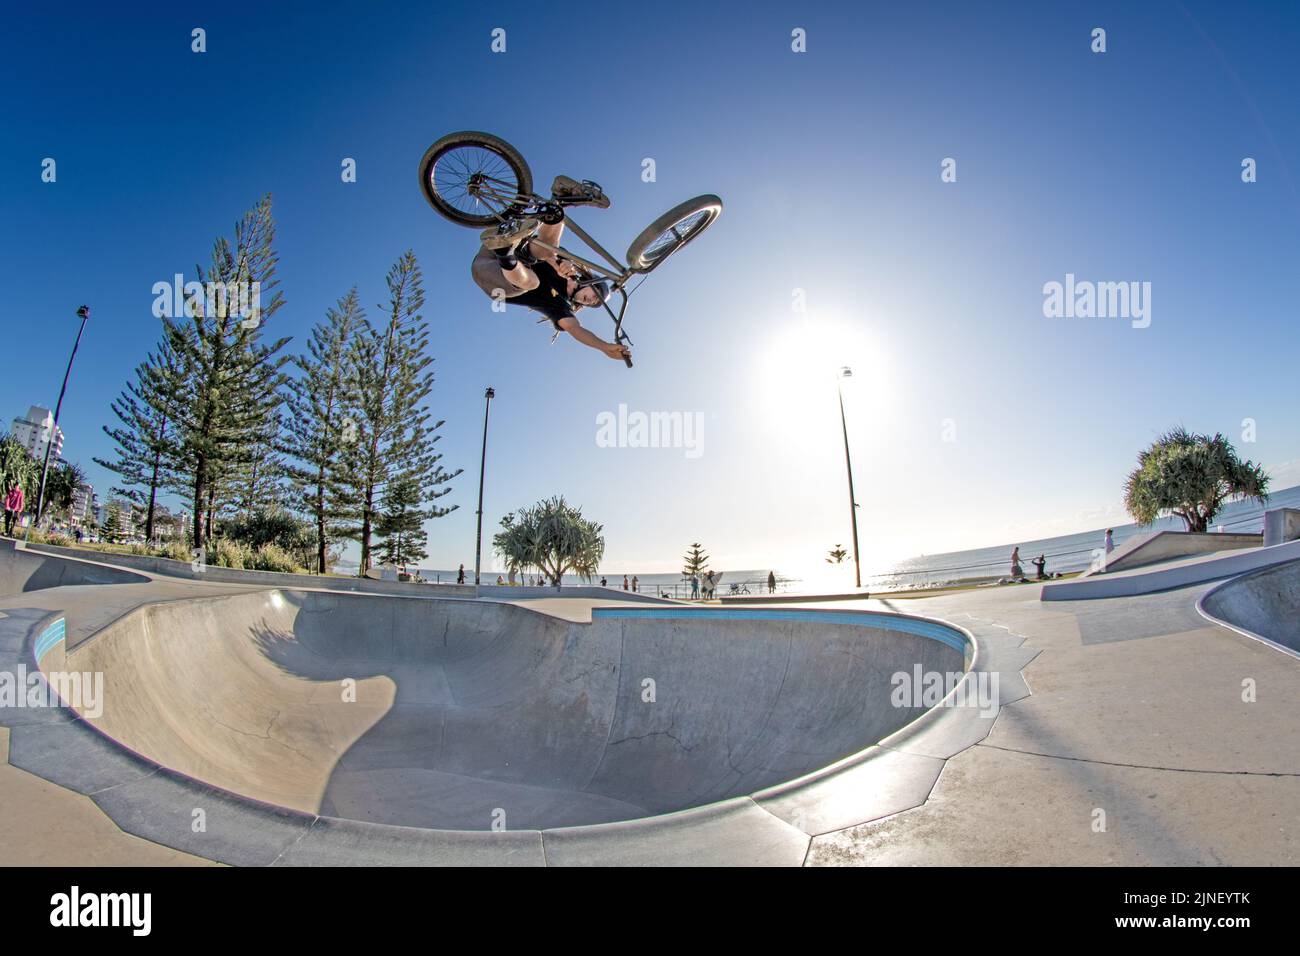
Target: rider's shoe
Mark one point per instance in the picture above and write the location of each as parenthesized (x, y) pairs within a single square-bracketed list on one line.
[(585, 193), (505, 237)]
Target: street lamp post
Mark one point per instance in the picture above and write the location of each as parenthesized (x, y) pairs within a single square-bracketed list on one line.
[(482, 466), (84, 313), (847, 372)]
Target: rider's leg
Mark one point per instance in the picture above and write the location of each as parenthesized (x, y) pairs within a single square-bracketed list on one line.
[(584, 193), (503, 244), (491, 277), (551, 233)]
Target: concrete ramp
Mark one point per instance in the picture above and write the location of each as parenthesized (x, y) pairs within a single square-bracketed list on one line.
[(22, 571), (1155, 547), (465, 714)]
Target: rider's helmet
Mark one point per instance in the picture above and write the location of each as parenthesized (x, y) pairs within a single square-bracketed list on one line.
[(601, 287)]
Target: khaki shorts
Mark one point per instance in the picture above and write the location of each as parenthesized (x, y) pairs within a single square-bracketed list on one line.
[(489, 276)]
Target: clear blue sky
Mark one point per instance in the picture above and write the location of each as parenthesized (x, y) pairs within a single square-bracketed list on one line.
[(1115, 167)]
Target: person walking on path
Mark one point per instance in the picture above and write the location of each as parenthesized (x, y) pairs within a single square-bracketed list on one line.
[(460, 575), (625, 585), (604, 583), (1017, 572), (1110, 540), (695, 587), (636, 582), (13, 508), (771, 582)]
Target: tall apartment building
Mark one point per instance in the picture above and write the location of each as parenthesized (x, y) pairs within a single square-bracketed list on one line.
[(33, 431), (84, 505)]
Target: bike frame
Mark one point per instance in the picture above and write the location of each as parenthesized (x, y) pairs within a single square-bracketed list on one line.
[(620, 277)]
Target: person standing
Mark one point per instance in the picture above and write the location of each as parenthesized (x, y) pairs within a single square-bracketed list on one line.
[(604, 583), (636, 582), (1110, 540), (771, 582), (625, 584), (13, 508), (695, 587), (1017, 572)]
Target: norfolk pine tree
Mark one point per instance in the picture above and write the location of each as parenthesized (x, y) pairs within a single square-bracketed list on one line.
[(401, 525), (394, 438), (318, 431), (231, 379), (146, 440), (696, 561)]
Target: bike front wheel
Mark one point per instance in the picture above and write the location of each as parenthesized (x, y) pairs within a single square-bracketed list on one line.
[(671, 231), (475, 179)]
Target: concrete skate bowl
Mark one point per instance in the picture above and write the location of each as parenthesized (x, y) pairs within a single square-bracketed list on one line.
[(463, 714), (1263, 604)]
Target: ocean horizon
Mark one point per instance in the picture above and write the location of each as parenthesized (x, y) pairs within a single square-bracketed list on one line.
[(1064, 553)]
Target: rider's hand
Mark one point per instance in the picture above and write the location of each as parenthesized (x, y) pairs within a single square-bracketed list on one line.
[(565, 268), (615, 351)]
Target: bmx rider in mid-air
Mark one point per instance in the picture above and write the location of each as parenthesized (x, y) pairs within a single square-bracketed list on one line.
[(506, 267)]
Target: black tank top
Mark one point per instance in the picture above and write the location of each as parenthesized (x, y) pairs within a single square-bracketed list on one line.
[(550, 298)]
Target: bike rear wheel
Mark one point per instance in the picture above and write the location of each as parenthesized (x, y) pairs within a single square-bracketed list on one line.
[(475, 179), (671, 231)]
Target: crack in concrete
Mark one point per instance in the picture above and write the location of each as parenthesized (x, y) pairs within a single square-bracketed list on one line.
[(1141, 766), (654, 733)]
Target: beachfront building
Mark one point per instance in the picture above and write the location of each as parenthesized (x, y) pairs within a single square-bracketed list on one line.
[(168, 526), (34, 430), (85, 505), (125, 517)]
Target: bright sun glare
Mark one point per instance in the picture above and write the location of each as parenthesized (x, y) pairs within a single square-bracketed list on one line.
[(794, 386), (799, 369)]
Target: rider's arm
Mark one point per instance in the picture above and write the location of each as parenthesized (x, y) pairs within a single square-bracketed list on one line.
[(586, 337)]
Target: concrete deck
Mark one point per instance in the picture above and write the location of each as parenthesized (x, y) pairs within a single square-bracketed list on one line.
[(1135, 746)]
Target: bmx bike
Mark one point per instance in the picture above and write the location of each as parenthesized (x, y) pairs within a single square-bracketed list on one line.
[(477, 180)]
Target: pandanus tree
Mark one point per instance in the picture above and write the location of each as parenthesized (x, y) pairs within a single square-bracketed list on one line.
[(553, 537), (1191, 476)]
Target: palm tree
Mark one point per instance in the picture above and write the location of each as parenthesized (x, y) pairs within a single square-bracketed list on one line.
[(837, 555), (62, 486)]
